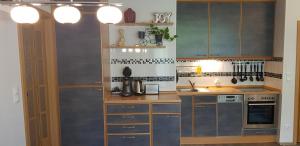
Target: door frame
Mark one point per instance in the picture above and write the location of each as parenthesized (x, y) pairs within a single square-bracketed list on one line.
[(48, 22), (296, 131)]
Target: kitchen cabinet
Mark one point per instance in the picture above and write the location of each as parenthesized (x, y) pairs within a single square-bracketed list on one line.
[(79, 74), (205, 120), (225, 29), (192, 29), (78, 51), (129, 140), (186, 116), (166, 124), (258, 29), (81, 117), (219, 29)]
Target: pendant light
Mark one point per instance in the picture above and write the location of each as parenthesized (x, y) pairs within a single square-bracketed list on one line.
[(67, 14), (24, 14), (109, 15)]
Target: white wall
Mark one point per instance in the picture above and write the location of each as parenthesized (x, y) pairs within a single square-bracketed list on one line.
[(12, 131), (144, 13), (289, 64)]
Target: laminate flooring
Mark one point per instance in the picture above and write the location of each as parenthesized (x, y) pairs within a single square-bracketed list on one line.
[(258, 144)]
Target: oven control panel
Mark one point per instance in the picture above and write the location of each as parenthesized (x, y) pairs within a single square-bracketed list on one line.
[(270, 97)]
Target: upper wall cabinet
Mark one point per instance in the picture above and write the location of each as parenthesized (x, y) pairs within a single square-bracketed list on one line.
[(192, 28), (79, 53), (258, 29), (225, 29)]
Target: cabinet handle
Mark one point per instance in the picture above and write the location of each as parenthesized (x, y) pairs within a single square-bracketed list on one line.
[(173, 116), (128, 127), (129, 137), (128, 117), (129, 107), (201, 106)]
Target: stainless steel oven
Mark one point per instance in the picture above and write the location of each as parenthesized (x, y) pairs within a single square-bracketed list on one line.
[(260, 111)]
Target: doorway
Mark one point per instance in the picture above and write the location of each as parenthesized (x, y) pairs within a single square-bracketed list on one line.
[(39, 82)]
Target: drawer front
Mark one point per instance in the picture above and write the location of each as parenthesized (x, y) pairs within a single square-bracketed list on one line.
[(166, 108), (205, 99), (127, 108), (128, 129), (128, 140), (121, 119), (260, 131)]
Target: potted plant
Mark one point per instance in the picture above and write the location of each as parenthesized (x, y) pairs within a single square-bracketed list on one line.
[(161, 33)]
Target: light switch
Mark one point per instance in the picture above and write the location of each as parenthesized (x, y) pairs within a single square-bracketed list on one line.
[(16, 95)]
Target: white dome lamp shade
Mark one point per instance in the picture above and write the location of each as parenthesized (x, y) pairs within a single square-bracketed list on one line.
[(109, 15), (67, 14), (24, 14)]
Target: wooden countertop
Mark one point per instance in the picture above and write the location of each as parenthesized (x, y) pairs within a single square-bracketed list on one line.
[(170, 97), (229, 90)]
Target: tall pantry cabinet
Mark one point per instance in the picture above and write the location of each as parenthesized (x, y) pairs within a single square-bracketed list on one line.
[(80, 81)]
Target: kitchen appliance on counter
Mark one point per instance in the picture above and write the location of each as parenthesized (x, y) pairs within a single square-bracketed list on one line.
[(260, 111), (230, 115), (138, 88), (152, 89), (127, 83)]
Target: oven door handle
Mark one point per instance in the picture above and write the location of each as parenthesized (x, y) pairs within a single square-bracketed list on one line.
[(253, 104)]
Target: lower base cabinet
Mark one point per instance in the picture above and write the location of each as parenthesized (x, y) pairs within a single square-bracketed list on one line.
[(128, 140), (205, 120), (166, 130)]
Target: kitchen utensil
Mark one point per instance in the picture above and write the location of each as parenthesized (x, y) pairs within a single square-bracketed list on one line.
[(257, 72), (245, 73), (251, 72), (234, 80), (241, 73), (138, 87), (262, 72)]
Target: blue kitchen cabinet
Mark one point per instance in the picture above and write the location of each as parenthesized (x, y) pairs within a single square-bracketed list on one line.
[(258, 28), (186, 116), (192, 29), (81, 117), (225, 29), (79, 51), (128, 140), (166, 130), (205, 120)]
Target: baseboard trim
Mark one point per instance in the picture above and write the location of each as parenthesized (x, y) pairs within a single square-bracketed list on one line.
[(229, 139)]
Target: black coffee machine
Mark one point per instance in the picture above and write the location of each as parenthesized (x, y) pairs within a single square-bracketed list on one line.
[(127, 82)]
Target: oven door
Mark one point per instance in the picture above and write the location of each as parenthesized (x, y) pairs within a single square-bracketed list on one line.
[(260, 114)]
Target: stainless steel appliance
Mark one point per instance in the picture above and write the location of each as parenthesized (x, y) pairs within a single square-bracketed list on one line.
[(230, 115), (138, 87), (260, 111)]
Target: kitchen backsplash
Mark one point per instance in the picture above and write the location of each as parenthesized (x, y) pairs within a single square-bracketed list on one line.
[(219, 72)]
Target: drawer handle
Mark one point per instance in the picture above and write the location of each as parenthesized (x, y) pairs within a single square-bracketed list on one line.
[(129, 107), (128, 117), (173, 116), (128, 127), (129, 137)]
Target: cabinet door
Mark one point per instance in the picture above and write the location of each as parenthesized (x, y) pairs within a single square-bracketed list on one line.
[(192, 29), (78, 49), (186, 116), (81, 117), (230, 119), (258, 29), (225, 29), (166, 130), (205, 120)]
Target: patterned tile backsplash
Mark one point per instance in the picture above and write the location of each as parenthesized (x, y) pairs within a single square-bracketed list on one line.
[(147, 79), (144, 61)]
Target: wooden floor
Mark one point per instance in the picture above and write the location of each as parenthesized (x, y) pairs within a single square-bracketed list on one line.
[(260, 144)]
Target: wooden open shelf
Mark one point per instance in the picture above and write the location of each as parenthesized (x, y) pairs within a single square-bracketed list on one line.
[(145, 24), (136, 47)]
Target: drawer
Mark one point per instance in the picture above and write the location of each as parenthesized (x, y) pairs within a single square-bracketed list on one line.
[(205, 99), (166, 108), (127, 108), (128, 140), (121, 119), (128, 129), (260, 132)]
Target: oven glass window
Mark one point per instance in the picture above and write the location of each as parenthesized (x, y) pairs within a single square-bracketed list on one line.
[(261, 114)]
